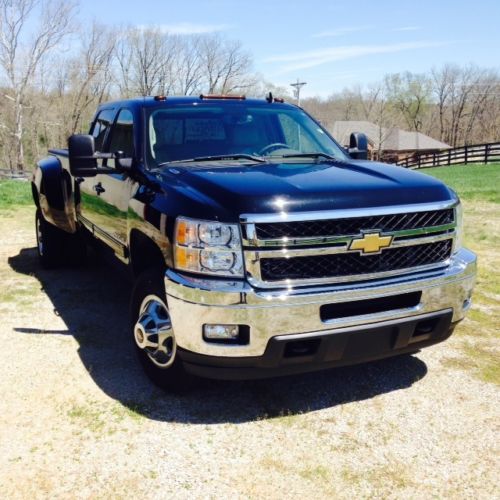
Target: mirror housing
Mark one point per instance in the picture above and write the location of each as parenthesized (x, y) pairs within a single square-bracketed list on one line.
[(123, 163), (81, 153), (83, 158), (358, 146)]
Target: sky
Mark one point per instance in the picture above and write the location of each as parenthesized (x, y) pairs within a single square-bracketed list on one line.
[(328, 44)]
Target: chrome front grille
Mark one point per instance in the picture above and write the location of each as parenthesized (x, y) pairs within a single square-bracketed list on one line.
[(353, 264), (309, 248), (337, 227)]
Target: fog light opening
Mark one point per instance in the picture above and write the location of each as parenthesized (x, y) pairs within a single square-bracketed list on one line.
[(299, 348), (226, 334), (424, 330)]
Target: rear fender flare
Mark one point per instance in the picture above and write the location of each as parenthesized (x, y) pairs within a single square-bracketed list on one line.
[(54, 195)]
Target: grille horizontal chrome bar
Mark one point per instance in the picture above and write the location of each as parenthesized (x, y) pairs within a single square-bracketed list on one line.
[(343, 241), (345, 213), (354, 221), (330, 250)]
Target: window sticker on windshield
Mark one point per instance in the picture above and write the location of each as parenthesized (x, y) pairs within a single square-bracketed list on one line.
[(204, 129), (169, 131)]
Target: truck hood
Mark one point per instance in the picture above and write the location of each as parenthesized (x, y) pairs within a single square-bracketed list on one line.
[(226, 192)]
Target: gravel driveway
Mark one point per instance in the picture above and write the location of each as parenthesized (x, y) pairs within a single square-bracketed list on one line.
[(78, 418)]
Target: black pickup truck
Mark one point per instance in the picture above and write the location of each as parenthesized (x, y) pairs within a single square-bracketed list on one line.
[(258, 246)]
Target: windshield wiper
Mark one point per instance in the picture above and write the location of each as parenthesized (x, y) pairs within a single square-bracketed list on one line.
[(217, 158), (309, 155)]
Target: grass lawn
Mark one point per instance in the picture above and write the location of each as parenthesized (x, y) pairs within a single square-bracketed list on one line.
[(479, 188), (471, 182), (15, 192)]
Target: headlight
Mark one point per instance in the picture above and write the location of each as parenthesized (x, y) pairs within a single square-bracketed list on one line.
[(208, 247), (459, 221)]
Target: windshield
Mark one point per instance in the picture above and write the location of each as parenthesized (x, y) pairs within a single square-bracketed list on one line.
[(203, 131)]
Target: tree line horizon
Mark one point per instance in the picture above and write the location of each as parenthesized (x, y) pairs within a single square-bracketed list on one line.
[(46, 94)]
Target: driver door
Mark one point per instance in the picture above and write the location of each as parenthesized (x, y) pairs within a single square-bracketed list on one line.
[(106, 196)]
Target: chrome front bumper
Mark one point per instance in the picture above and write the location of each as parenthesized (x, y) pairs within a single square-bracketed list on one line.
[(194, 302)]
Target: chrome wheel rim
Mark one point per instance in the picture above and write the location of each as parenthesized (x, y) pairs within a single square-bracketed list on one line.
[(153, 332), (39, 236)]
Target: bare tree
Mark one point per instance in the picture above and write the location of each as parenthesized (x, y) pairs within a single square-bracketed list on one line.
[(344, 106), (486, 125), (410, 95), (90, 72), (457, 105), (147, 48), (378, 109), (262, 87), (441, 83), (145, 58), (463, 97), (351, 103), (187, 67), (225, 64), (123, 59), (151, 61), (461, 88), (21, 55)]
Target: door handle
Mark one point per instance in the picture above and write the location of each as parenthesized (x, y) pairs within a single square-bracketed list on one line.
[(99, 189)]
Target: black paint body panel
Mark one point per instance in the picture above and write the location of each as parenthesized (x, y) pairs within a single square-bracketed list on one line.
[(221, 191)]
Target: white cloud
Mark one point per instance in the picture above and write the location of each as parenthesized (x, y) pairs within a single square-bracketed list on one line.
[(340, 31), (408, 28), (312, 58), (188, 28)]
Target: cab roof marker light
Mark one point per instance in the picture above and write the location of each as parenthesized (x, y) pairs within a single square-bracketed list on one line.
[(160, 98), (223, 97)]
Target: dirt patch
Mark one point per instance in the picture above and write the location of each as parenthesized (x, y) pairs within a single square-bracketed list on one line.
[(79, 419)]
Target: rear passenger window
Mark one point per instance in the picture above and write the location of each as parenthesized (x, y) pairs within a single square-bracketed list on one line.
[(122, 134), (101, 127)]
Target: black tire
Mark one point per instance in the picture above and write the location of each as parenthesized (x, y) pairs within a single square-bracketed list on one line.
[(50, 242), (57, 247), (75, 249), (149, 289)]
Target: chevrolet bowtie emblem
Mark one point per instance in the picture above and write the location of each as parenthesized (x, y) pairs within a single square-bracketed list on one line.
[(370, 243)]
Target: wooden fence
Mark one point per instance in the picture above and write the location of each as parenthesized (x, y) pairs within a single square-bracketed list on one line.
[(6, 173), (476, 153)]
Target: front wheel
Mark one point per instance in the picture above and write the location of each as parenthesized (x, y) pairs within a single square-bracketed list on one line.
[(49, 242), (56, 247), (153, 333)]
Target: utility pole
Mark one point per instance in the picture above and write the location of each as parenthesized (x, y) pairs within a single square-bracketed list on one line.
[(296, 92)]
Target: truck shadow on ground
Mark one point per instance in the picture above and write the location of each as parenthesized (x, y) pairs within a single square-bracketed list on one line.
[(93, 303)]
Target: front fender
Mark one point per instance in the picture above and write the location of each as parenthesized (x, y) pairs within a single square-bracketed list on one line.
[(53, 193)]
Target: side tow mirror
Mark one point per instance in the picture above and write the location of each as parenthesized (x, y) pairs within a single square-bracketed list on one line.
[(122, 162), (82, 160), (358, 146)]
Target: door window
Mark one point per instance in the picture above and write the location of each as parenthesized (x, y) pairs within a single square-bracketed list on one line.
[(100, 128), (122, 134)]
